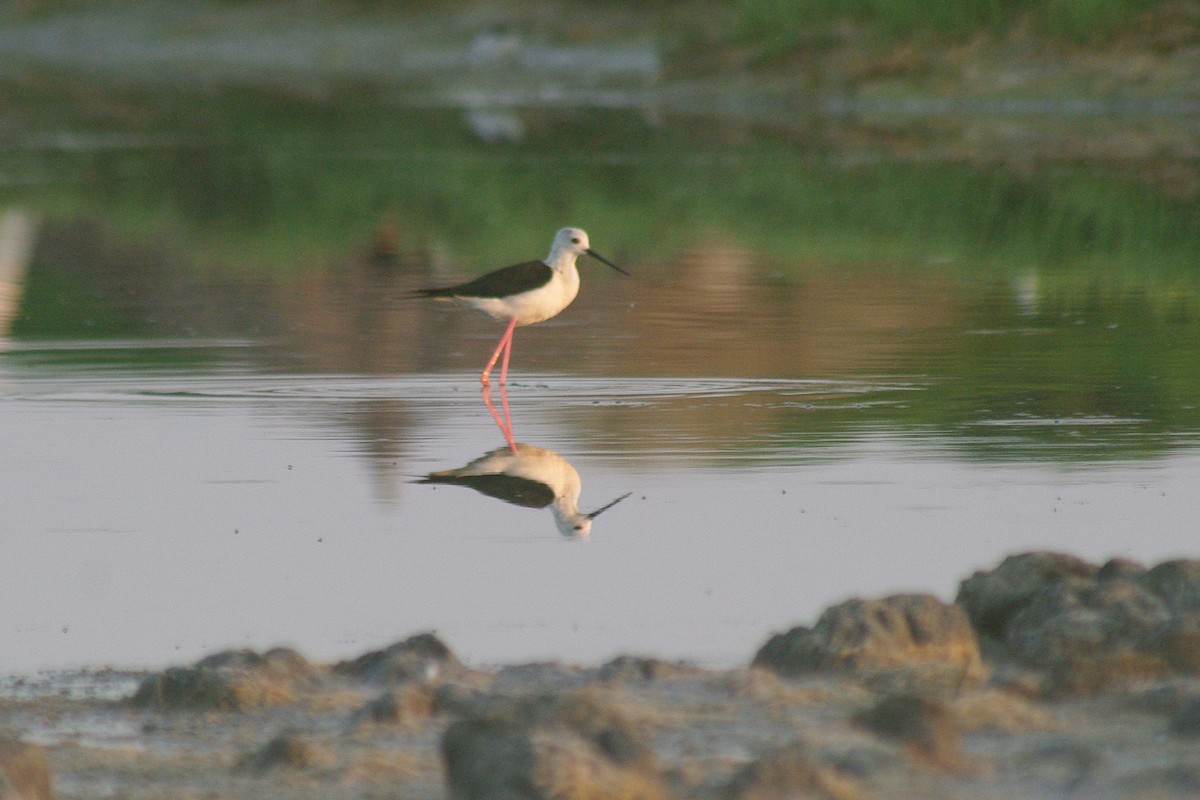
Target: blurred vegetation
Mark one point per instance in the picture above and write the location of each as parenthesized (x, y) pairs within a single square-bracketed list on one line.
[(259, 177), (778, 27), (229, 190), (234, 189)]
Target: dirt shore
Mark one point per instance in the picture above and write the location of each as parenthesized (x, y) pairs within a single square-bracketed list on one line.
[(1048, 677)]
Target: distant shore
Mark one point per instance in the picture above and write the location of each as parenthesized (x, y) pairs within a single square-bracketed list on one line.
[(514, 53)]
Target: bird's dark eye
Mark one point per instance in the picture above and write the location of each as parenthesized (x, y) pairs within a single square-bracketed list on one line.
[(575, 240)]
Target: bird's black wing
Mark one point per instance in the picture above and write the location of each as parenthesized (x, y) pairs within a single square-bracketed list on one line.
[(510, 489), (501, 283)]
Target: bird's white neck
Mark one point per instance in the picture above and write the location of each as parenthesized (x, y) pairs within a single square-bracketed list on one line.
[(570, 521), (561, 260)]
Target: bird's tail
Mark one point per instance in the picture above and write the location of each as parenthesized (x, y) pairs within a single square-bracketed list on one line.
[(446, 476), (436, 294)]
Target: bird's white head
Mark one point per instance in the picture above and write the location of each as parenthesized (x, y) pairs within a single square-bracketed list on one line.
[(573, 526), (569, 242), (573, 523)]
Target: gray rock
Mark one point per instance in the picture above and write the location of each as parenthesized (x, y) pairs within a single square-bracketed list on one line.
[(1162, 697), (1088, 629), (1178, 583), (993, 598), (422, 657), (1063, 762), (1185, 720), (901, 631), (1085, 621), (24, 771), (487, 759), (1173, 781)]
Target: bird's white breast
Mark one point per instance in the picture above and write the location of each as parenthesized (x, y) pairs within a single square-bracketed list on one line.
[(533, 306)]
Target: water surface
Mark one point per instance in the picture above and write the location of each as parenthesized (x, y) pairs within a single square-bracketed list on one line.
[(827, 377)]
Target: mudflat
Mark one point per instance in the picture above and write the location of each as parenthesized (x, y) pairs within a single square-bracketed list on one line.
[(1048, 676)]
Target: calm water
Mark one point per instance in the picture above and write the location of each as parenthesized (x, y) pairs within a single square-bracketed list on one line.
[(822, 381)]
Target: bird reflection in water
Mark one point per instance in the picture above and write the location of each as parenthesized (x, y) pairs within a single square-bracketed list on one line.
[(503, 423), (532, 477)]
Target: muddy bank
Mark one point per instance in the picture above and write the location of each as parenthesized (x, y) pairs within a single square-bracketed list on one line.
[(515, 55), (1049, 676), (849, 98)]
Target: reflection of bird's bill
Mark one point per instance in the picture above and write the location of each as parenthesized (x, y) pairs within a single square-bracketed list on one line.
[(604, 508)]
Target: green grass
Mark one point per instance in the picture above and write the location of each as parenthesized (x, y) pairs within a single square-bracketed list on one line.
[(265, 179), (776, 28)]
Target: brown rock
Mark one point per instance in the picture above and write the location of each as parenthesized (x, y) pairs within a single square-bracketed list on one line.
[(624, 669), (579, 745), (285, 751), (491, 759), (790, 773), (1120, 568), (901, 631), (24, 771), (570, 767), (924, 727), (1178, 642), (422, 657), (599, 717), (407, 706), (231, 680)]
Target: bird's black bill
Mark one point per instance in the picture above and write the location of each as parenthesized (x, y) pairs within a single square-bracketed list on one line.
[(602, 509), (604, 260)]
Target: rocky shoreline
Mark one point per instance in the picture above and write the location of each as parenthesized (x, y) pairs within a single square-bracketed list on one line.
[(1048, 676)]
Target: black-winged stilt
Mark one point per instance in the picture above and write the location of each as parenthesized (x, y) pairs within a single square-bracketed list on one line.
[(523, 294), (532, 477)]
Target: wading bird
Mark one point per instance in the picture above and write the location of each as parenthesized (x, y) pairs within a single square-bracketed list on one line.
[(533, 291)]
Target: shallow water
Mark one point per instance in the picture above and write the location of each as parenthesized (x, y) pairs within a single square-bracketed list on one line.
[(171, 497), (822, 381)]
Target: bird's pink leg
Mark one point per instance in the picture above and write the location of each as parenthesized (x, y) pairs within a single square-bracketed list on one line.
[(504, 405), (505, 343), (504, 429), (504, 363)]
